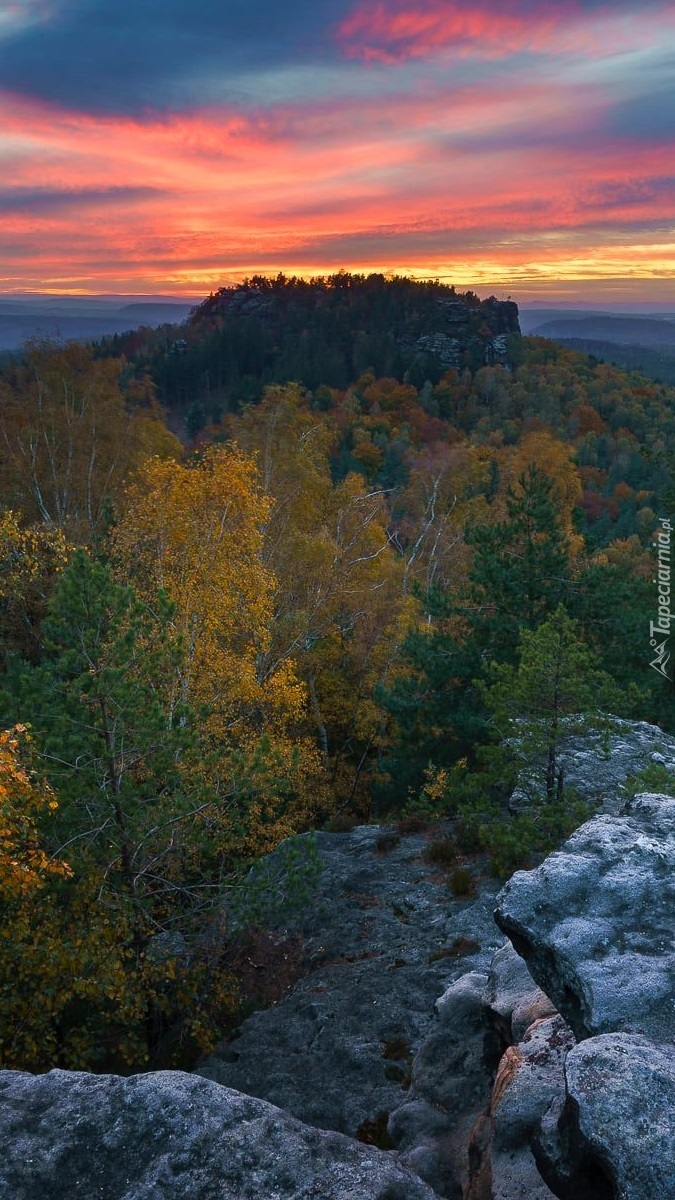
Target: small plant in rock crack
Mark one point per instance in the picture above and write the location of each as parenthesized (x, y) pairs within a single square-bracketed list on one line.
[(441, 852), (397, 1049), (386, 842)]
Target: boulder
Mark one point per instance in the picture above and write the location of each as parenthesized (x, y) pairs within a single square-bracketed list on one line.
[(595, 922), (171, 1136), (614, 1136)]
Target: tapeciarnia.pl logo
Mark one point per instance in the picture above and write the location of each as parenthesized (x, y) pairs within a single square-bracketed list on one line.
[(659, 630)]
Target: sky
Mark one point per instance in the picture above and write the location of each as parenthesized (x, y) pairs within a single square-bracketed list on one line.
[(520, 147)]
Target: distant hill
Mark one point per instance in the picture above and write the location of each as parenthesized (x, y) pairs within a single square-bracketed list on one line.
[(81, 318), (624, 329), (532, 318), (643, 342), (656, 362)]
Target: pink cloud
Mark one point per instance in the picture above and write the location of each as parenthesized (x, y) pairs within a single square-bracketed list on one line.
[(384, 182), (393, 32)]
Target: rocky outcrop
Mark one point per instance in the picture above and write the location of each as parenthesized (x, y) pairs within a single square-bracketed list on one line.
[(598, 765), (456, 328), (612, 1138), (383, 938), (414, 1029), (469, 330), (480, 1073), (171, 1136), (595, 922)]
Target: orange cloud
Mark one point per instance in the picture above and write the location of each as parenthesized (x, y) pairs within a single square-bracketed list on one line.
[(450, 183)]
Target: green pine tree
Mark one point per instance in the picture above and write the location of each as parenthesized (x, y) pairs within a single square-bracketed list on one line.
[(521, 568), (555, 690), (100, 727)]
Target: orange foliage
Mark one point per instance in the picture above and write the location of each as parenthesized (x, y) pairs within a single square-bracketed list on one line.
[(554, 459), (24, 866)]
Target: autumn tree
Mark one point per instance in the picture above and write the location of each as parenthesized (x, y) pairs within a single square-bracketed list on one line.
[(553, 458), (30, 563), (136, 831), (100, 726), (195, 533), (24, 864), (68, 438), (446, 490), (337, 601)]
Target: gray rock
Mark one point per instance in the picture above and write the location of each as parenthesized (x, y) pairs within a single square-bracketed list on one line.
[(595, 922), (597, 766), (614, 1137), (529, 1078), (383, 938), (447, 349), (513, 996), (170, 1136), (451, 1081), (450, 1068)]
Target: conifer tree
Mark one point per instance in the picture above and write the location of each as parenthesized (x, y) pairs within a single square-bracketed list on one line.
[(521, 569), (555, 691), (520, 573)]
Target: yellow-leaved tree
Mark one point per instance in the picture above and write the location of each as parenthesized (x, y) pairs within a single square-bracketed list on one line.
[(196, 532), (24, 865), (58, 954), (30, 563), (338, 603), (554, 459)]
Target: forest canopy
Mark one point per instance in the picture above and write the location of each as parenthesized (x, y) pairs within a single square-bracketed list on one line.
[(284, 568)]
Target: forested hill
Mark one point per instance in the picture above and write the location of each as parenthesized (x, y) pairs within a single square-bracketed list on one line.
[(323, 331)]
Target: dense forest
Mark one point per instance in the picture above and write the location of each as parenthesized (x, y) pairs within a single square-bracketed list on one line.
[(657, 362), (309, 559)]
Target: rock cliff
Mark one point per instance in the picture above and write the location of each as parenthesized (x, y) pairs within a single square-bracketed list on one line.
[(595, 924)]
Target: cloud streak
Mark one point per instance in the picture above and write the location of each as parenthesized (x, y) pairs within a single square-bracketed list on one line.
[(394, 32)]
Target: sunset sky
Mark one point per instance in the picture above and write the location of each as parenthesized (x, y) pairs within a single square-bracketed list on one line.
[(521, 146)]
